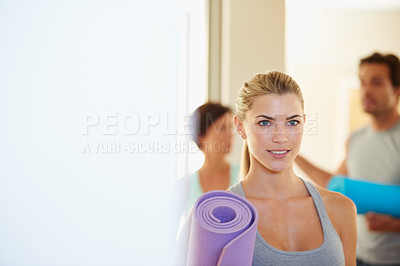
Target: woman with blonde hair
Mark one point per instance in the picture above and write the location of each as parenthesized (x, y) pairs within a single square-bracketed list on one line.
[(299, 223)]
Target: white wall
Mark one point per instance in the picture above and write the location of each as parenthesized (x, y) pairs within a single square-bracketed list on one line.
[(323, 51), (66, 65)]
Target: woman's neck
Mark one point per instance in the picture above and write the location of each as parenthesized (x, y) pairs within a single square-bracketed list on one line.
[(261, 182), (214, 163)]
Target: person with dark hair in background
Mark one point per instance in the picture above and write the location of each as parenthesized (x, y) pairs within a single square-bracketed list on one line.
[(373, 153), (213, 134)]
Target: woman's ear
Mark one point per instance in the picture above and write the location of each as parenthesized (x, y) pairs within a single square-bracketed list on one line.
[(239, 127), (200, 139)]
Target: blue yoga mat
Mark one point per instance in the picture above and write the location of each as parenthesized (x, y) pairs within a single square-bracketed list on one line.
[(367, 195), (223, 230)]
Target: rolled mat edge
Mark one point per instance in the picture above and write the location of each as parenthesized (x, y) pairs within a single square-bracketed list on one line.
[(223, 230)]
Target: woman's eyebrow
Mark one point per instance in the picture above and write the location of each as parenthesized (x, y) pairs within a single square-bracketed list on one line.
[(273, 119), (293, 116), (266, 117)]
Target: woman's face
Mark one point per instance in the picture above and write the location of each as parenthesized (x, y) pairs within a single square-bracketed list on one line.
[(218, 138), (273, 128)]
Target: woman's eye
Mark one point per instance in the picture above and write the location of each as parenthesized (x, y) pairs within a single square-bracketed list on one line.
[(293, 123), (264, 123)]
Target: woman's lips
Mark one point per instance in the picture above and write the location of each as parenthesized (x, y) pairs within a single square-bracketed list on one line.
[(279, 153)]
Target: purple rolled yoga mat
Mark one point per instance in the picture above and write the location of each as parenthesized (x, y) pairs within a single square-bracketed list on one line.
[(223, 230)]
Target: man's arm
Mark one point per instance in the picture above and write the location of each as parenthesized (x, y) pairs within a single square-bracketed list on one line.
[(318, 175), (382, 222)]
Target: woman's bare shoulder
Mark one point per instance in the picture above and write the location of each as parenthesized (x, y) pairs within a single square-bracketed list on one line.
[(336, 201)]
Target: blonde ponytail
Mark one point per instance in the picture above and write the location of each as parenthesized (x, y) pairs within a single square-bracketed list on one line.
[(245, 161)]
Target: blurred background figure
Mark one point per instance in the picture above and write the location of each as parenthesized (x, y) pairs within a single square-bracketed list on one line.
[(373, 153), (213, 134)]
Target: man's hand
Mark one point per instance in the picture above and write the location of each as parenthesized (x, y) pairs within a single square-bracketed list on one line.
[(382, 222)]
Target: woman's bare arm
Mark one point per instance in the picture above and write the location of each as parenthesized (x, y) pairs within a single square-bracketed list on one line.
[(348, 231), (343, 214)]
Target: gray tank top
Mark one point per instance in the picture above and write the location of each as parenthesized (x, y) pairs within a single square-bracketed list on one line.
[(329, 253), (375, 156)]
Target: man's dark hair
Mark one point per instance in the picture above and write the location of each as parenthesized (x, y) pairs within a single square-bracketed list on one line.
[(390, 60)]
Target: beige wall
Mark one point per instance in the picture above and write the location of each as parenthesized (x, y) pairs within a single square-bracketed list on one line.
[(252, 41), (323, 50), (319, 47)]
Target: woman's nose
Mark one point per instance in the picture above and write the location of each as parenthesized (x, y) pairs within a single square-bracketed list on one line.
[(279, 134)]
